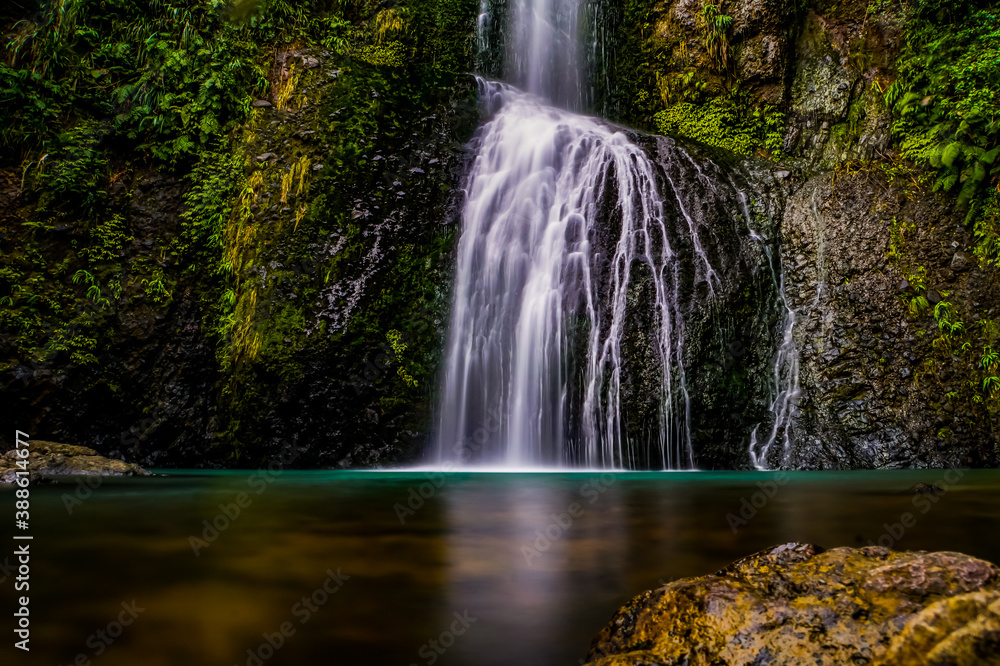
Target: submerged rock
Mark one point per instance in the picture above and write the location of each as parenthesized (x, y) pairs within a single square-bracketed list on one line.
[(50, 459), (799, 604), (921, 488)]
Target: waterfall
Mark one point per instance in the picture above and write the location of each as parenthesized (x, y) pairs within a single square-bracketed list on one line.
[(579, 265), (535, 339), (543, 55), (534, 363), (785, 389)]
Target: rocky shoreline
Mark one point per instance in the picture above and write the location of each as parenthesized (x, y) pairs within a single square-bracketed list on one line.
[(800, 604), (48, 460)]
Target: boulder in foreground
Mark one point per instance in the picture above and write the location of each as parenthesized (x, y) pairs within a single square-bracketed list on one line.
[(798, 604)]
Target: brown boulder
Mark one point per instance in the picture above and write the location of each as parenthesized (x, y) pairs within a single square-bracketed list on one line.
[(799, 604), (48, 459)]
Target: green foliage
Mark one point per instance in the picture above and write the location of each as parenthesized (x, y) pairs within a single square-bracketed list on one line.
[(30, 106), (918, 283), (399, 346), (441, 34), (173, 75), (49, 313), (72, 178), (687, 86), (215, 182), (976, 374), (107, 241), (771, 123), (990, 364), (155, 287), (283, 21), (724, 123), (391, 54), (947, 95), (947, 320), (627, 74), (715, 36), (946, 102), (215, 207), (987, 231)]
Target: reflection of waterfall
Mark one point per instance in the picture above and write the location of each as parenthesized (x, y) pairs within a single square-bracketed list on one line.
[(534, 337), (521, 542)]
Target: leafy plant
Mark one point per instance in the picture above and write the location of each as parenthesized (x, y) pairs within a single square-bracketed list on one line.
[(155, 287), (399, 346), (945, 315), (987, 231), (72, 177), (918, 304), (172, 74), (84, 276), (947, 95), (715, 36)]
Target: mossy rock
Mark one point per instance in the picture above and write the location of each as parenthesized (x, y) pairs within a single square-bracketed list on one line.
[(799, 604), (49, 459)]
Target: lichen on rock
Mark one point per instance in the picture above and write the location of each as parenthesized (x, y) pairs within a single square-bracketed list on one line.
[(800, 604)]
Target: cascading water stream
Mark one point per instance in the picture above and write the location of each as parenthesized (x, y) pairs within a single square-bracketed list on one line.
[(533, 294), (785, 388), (543, 54), (538, 314), (565, 223)]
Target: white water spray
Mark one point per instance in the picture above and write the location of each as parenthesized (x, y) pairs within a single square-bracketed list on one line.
[(538, 318)]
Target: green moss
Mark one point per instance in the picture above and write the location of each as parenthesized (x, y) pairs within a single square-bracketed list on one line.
[(391, 54), (723, 123)]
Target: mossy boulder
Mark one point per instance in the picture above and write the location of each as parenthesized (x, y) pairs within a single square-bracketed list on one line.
[(49, 459), (799, 604)]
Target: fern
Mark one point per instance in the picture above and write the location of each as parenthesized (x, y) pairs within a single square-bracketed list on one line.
[(946, 96)]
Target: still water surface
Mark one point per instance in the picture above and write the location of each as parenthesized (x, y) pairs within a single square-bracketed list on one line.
[(472, 547)]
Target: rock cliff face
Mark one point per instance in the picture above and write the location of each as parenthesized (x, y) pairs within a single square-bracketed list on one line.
[(876, 391), (731, 319), (862, 237), (329, 340), (798, 604), (861, 240)]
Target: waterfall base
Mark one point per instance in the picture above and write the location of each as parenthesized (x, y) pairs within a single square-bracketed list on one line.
[(607, 283)]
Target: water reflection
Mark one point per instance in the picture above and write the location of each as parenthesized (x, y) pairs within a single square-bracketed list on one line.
[(552, 540), (540, 561)]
